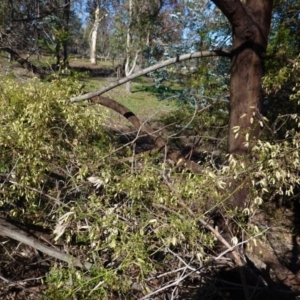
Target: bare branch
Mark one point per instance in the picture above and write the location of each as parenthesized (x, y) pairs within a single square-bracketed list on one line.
[(197, 271), (234, 253), (150, 69)]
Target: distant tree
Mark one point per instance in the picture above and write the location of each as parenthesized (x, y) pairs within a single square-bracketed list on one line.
[(27, 26), (59, 28), (140, 22), (98, 11), (65, 26)]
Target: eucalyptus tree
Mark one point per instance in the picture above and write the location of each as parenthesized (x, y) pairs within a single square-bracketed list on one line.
[(98, 11), (139, 20)]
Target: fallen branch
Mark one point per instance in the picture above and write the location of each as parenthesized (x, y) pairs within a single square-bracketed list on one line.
[(24, 62), (143, 128), (150, 69), (12, 231)]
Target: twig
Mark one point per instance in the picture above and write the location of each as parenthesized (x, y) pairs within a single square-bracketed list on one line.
[(9, 174), (174, 283), (96, 287), (39, 192), (21, 284), (234, 253), (166, 273), (197, 271)]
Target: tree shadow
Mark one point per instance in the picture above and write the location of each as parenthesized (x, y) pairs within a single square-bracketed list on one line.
[(294, 263), (94, 71), (226, 284), (272, 278)]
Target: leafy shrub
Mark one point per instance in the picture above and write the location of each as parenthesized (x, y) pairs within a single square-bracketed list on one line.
[(125, 225), (131, 218)]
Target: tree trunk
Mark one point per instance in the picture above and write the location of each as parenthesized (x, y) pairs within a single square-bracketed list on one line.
[(57, 53), (130, 63), (128, 87), (66, 19), (250, 26), (93, 35)]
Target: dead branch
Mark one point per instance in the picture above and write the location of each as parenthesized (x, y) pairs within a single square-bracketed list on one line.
[(24, 62), (12, 231), (234, 253), (196, 270)]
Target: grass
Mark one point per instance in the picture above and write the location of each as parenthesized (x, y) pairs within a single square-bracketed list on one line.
[(100, 63), (143, 102), (162, 90)]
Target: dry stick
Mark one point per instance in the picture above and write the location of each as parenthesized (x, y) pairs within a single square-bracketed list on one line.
[(19, 235), (158, 140), (193, 270), (21, 284), (235, 255), (151, 69)]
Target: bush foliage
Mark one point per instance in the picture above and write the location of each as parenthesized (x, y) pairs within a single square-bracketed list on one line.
[(130, 216)]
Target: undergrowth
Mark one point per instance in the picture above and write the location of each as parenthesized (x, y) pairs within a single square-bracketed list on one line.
[(130, 218)]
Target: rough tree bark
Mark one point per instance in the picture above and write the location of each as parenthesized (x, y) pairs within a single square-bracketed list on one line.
[(250, 23)]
